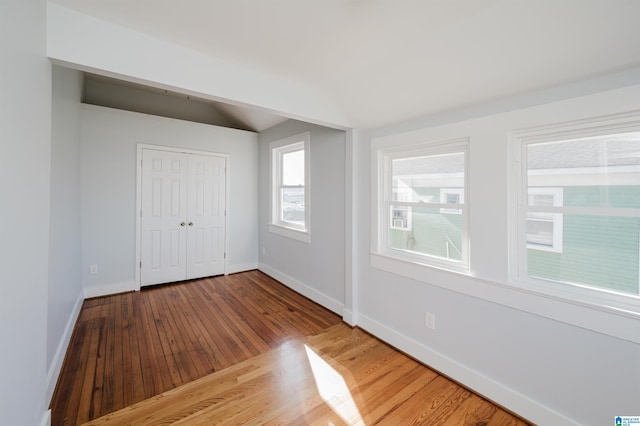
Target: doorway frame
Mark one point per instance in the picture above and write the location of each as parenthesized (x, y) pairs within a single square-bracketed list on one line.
[(142, 146)]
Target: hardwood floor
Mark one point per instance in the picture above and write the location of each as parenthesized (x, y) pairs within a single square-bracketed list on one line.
[(276, 358), (129, 347), (341, 376)]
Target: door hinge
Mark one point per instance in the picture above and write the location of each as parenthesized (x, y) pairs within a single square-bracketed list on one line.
[(141, 264), (225, 255)]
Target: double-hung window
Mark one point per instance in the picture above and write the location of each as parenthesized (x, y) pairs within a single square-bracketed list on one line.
[(578, 220), (290, 187), (421, 214)]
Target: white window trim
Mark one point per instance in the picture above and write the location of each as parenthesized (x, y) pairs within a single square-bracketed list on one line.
[(396, 261), (276, 149), (557, 194), (600, 299)]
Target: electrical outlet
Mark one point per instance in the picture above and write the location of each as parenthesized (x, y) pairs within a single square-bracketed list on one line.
[(430, 320), (93, 269)]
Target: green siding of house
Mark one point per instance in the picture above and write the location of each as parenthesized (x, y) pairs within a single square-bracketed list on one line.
[(599, 251), (433, 234), (621, 196)]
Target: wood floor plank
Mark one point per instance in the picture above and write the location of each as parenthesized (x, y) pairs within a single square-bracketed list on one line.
[(149, 377), (157, 365), (87, 382), (188, 356), (485, 412), (206, 331), (68, 392)]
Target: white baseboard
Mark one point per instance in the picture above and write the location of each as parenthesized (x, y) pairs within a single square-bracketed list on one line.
[(234, 269), (46, 419), (350, 317), (477, 382), (110, 288), (61, 351), (304, 289)]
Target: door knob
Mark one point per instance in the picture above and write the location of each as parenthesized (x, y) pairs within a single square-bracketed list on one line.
[(190, 223), (182, 223)]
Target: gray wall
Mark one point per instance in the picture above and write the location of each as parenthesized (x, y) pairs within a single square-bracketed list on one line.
[(25, 120), (316, 269), (108, 189), (65, 286)]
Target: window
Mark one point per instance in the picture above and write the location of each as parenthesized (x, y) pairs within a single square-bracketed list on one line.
[(544, 229), (579, 214), (451, 196), (401, 218), (422, 214), (290, 187)]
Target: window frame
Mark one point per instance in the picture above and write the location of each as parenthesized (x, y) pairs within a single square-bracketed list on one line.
[(277, 150), (395, 260), (575, 293)]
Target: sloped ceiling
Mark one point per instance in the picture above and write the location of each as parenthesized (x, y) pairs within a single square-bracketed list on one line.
[(115, 93), (387, 61)]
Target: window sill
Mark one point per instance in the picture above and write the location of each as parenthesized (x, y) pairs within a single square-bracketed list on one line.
[(606, 319), (413, 267), (294, 234)]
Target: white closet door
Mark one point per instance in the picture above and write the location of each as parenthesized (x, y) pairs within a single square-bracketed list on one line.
[(206, 215), (164, 210)]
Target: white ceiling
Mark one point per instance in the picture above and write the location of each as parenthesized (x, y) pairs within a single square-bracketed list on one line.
[(388, 61)]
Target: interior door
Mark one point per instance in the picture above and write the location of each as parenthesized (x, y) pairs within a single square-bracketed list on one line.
[(206, 215), (164, 211), (183, 217)]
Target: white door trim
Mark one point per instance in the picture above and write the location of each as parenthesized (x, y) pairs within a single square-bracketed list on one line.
[(139, 149)]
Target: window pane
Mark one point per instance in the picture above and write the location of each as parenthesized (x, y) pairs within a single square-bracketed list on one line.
[(599, 251), (592, 173), (453, 198), (601, 171), (539, 231), (293, 168), (293, 205), (419, 179), (432, 234), (541, 200)]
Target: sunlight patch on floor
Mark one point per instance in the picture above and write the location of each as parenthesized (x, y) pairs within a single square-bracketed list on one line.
[(333, 389)]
